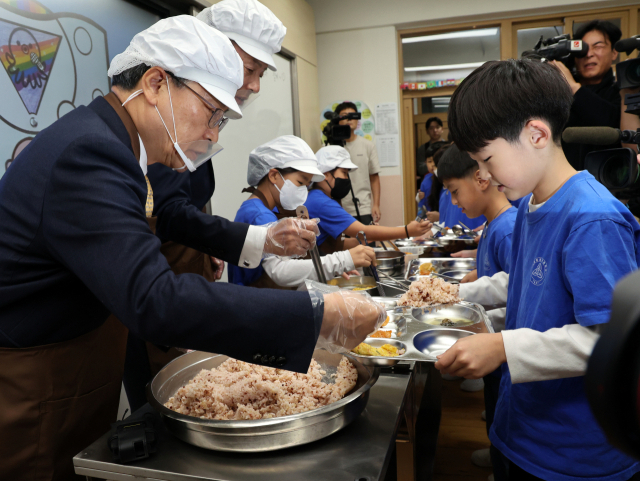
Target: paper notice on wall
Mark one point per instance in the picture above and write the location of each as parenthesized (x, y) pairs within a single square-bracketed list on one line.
[(387, 118), (388, 150)]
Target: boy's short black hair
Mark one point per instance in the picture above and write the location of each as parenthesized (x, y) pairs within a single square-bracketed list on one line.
[(456, 164), (437, 120), (497, 99), (606, 28), (345, 106)]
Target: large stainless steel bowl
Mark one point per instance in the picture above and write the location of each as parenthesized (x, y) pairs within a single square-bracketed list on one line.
[(390, 262), (262, 434)]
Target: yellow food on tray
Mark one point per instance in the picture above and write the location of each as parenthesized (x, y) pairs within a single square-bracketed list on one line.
[(382, 334), (362, 288), (386, 350), (426, 269)]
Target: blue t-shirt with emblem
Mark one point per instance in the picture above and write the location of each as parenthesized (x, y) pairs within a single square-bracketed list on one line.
[(252, 211), (426, 188), (566, 258), (494, 249), (334, 220)]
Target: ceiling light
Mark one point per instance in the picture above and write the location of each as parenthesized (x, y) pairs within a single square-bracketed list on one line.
[(483, 32), (444, 67)]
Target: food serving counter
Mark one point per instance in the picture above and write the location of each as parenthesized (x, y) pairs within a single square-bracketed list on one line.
[(361, 451)]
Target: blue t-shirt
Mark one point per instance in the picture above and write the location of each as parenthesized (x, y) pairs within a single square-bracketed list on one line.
[(566, 258), (334, 220), (252, 211), (516, 203), (426, 188), (443, 206), (494, 249)]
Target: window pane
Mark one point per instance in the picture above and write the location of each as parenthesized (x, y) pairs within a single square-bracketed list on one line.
[(451, 55), (528, 37), (435, 104)]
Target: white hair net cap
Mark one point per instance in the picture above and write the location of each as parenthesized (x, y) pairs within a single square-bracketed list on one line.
[(189, 49), (333, 156), (287, 151), (250, 24)]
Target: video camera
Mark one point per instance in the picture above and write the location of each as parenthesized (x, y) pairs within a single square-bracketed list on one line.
[(559, 48), (612, 380), (616, 169), (335, 133), (628, 72)]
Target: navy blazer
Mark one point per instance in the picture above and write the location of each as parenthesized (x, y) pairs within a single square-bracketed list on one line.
[(75, 245), (179, 198)]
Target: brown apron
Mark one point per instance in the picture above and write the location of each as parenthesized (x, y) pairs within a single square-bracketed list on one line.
[(57, 399), (182, 260)]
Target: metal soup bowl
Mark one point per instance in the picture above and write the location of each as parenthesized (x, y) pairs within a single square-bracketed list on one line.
[(390, 262)]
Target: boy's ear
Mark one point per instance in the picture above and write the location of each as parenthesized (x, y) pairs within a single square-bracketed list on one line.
[(482, 183), (538, 133), (273, 175)]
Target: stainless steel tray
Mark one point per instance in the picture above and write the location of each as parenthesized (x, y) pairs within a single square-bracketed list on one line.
[(417, 344), (412, 272), (262, 434)]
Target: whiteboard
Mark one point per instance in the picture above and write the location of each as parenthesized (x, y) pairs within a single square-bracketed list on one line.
[(268, 117)]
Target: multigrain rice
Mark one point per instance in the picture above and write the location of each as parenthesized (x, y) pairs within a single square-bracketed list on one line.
[(429, 291), (237, 390)]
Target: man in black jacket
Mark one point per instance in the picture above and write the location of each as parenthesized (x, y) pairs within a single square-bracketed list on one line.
[(596, 98)]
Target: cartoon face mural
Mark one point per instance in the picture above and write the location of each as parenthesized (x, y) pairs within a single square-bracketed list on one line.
[(53, 63)]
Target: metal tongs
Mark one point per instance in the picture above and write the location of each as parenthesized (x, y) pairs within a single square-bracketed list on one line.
[(303, 213), (372, 268)]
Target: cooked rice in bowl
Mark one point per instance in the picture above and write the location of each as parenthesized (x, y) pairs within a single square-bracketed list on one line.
[(237, 390), (430, 291)]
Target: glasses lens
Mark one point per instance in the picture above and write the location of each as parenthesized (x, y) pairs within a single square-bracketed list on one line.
[(216, 116), (223, 122)]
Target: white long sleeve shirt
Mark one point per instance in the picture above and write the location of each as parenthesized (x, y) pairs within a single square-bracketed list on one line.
[(288, 272)]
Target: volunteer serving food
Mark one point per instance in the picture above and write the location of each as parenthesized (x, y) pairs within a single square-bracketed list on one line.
[(75, 246)]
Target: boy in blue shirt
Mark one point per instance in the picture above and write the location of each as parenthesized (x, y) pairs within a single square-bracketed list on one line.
[(477, 197), (572, 242), (322, 203), (280, 172), (425, 186)]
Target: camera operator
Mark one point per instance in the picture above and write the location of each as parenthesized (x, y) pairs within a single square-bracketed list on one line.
[(596, 98), (365, 181)]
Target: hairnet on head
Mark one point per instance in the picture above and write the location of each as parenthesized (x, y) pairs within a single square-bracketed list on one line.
[(250, 24), (189, 49), (287, 151), (333, 156)]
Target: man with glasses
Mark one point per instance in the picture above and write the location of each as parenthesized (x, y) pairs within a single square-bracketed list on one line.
[(596, 98), (79, 264)]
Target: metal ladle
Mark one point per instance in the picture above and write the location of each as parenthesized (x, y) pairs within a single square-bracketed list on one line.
[(372, 268)]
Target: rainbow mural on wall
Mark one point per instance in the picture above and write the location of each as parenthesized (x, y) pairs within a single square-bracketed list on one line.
[(28, 55), (31, 6)]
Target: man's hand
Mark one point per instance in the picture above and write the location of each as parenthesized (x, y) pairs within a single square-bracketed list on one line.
[(375, 213), (218, 268), (469, 254), (567, 75), (291, 237), (471, 277), (348, 318), (473, 357)]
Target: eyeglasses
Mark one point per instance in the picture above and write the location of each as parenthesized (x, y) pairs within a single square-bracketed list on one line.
[(217, 115)]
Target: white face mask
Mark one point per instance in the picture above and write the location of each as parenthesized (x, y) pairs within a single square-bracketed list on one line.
[(197, 152), (292, 197)]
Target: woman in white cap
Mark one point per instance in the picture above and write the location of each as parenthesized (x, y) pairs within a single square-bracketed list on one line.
[(75, 246), (279, 173), (323, 203)]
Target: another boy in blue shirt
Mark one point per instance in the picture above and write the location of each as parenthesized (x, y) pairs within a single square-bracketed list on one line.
[(572, 242), (478, 198)]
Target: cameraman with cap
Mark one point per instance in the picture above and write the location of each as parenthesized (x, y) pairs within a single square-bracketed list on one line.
[(365, 181), (596, 98)]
